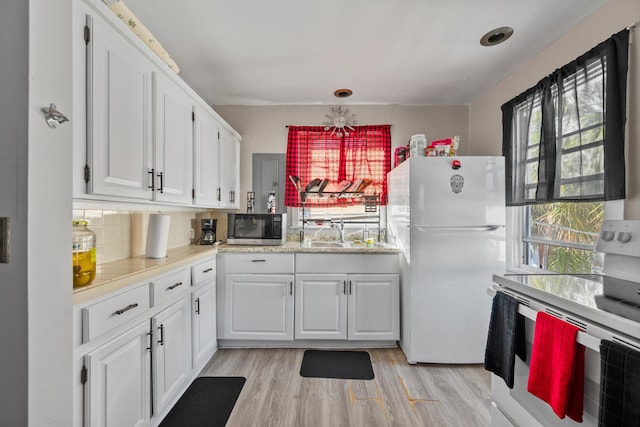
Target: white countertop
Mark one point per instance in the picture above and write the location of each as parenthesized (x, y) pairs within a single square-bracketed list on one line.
[(119, 274)]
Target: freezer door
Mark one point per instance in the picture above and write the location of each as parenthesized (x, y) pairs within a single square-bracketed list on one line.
[(472, 195)]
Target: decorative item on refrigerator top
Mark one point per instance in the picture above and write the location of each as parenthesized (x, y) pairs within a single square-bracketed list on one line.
[(418, 145), (84, 254)]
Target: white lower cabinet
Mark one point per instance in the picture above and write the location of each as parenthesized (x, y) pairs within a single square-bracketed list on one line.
[(118, 392), (137, 349), (348, 296), (258, 307), (203, 311), (347, 306), (172, 352)]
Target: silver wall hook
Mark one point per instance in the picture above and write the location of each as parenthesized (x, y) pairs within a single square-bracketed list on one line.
[(54, 117)]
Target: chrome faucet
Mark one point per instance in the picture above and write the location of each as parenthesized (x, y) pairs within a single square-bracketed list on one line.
[(340, 229)]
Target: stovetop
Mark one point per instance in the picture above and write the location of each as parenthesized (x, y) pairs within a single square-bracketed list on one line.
[(581, 295)]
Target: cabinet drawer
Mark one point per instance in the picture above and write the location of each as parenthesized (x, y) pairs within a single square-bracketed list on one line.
[(203, 271), (164, 288), (258, 263), (102, 316)]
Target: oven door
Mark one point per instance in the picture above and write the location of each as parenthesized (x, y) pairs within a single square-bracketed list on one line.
[(521, 408)]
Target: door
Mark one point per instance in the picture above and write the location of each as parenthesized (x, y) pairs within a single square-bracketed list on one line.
[(374, 307), (171, 352), (259, 306), (119, 381), (119, 116), (204, 324), (173, 143), (269, 175), (207, 162), (472, 195), (321, 306)]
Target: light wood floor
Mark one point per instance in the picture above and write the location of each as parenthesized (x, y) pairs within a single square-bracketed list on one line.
[(400, 395)]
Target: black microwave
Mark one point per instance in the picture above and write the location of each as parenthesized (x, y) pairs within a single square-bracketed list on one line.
[(257, 229)]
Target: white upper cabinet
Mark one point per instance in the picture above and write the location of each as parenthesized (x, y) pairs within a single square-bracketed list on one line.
[(119, 118), (173, 142), (230, 170), (206, 184), (149, 137)]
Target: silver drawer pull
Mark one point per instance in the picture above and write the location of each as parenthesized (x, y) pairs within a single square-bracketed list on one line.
[(207, 270), (258, 260), (174, 286), (127, 308)]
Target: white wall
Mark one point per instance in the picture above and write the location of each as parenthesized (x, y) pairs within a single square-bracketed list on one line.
[(49, 216), (14, 36), (485, 124), (263, 129)]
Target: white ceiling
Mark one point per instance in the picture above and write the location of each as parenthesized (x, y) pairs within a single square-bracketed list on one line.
[(297, 52)]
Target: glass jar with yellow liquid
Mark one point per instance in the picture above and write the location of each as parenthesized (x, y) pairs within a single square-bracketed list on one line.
[(84, 254)]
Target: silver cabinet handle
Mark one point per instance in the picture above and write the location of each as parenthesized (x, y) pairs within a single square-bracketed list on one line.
[(290, 288), (161, 176), (258, 260), (207, 270), (174, 286), (127, 308), (152, 179), (344, 287), (350, 287), (197, 305)]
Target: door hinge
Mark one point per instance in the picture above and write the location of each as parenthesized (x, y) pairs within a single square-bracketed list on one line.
[(87, 173), (83, 375), (87, 34)]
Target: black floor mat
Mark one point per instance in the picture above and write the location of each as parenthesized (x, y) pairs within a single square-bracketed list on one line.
[(353, 365), (208, 402)]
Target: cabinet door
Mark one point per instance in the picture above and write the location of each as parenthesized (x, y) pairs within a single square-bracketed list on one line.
[(203, 309), (173, 158), (119, 117), (374, 307), (258, 307), (171, 359), (207, 191), (321, 306), (119, 385), (229, 169)]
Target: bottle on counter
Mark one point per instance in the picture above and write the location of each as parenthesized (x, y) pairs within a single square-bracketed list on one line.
[(84, 254), (365, 234)]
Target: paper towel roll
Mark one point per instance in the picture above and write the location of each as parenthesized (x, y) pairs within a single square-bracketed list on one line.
[(157, 236)]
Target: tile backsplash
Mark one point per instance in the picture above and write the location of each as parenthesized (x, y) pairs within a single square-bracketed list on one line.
[(122, 234)]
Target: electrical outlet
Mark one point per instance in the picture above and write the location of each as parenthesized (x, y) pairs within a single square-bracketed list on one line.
[(4, 240)]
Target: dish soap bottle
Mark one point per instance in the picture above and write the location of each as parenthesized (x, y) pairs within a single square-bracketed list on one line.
[(84, 254)]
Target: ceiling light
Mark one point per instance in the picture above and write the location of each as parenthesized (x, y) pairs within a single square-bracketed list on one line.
[(343, 93), (496, 36)]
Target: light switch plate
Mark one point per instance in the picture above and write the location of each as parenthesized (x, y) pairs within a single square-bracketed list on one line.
[(4, 240)]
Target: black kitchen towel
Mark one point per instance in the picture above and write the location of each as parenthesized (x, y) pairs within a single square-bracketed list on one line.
[(208, 402), (355, 365), (619, 385), (506, 337)]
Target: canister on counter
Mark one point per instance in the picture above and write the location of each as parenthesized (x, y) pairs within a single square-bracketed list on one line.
[(84, 254)]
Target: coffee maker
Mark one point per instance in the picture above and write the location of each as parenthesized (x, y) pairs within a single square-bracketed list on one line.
[(208, 235)]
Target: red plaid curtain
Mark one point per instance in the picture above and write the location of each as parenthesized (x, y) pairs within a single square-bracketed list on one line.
[(313, 153)]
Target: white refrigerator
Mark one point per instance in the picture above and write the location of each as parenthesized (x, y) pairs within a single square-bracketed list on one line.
[(447, 216)]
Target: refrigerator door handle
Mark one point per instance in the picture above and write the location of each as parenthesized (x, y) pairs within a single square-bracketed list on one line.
[(425, 228)]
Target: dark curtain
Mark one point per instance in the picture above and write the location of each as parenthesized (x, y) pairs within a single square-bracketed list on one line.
[(553, 150)]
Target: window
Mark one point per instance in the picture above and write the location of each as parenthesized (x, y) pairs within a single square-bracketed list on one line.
[(563, 140), (362, 156)]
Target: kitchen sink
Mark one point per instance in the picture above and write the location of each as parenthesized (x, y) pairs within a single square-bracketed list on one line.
[(312, 244)]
